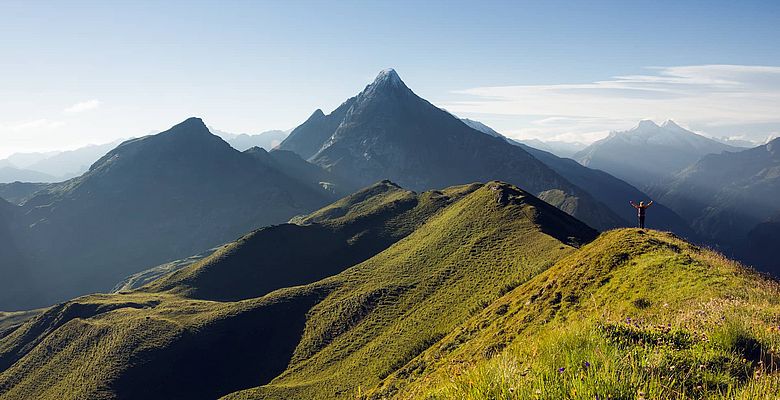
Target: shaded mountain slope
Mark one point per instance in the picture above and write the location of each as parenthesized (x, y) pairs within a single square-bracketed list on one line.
[(319, 245), (725, 196), (15, 276), (647, 153), (744, 182), (150, 346), (146, 276), (388, 132), (626, 314), (760, 248), (613, 192), (19, 192), (335, 237), (148, 201), (321, 340), (307, 139)]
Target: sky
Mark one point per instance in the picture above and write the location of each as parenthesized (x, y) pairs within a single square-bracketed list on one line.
[(75, 73)]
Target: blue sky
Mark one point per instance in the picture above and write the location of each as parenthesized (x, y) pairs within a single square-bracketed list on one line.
[(90, 72)]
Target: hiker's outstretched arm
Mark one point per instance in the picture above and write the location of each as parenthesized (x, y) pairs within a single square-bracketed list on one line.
[(650, 203)]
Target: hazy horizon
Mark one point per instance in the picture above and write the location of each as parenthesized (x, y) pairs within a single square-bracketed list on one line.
[(85, 73)]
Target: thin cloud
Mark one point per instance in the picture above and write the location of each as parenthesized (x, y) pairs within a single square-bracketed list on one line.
[(700, 95), (83, 106), (34, 124)]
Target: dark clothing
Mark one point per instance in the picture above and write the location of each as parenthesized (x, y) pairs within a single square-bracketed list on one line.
[(641, 209)]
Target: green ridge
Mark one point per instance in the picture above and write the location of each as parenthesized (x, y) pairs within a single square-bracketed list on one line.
[(320, 340), (383, 312), (653, 317)]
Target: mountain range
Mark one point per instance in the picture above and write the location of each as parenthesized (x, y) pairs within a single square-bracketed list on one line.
[(151, 200), (183, 191), (557, 147), (469, 291), (57, 166), (612, 192), (53, 166), (388, 132), (267, 140), (10, 173), (648, 153), (390, 250), (726, 196)]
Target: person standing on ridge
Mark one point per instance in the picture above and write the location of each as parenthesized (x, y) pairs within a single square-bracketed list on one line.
[(640, 208)]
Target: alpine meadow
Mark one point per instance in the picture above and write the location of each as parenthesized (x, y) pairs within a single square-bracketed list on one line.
[(558, 200)]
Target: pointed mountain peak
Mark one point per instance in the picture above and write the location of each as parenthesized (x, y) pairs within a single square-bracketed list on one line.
[(388, 75), (192, 122), (387, 79), (317, 114), (189, 127)]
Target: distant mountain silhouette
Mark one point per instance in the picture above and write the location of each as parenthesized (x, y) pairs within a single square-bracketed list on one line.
[(557, 147), (72, 163), (24, 160), (611, 191), (725, 196), (388, 132), (647, 153), (53, 166), (10, 174), (267, 140), (152, 200)]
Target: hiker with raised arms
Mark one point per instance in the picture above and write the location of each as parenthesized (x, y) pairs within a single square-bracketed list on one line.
[(640, 208)]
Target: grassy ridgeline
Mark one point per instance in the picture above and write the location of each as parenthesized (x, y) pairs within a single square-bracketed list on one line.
[(383, 312), (633, 315), (455, 251)]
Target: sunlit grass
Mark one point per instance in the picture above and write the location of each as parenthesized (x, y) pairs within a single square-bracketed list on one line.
[(670, 322)]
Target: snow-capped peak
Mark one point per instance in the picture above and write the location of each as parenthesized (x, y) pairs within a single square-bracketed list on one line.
[(387, 81), (388, 75)]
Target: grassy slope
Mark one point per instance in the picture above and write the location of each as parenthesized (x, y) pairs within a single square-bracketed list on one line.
[(96, 346), (485, 298), (631, 315), (322, 244), (151, 346), (348, 231), (383, 312), (336, 334)]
